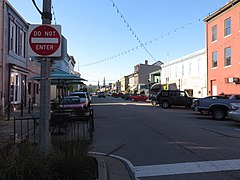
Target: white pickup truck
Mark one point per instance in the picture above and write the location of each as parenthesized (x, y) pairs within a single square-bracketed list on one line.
[(217, 106)]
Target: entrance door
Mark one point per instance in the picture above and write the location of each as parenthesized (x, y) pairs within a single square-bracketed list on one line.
[(214, 90)]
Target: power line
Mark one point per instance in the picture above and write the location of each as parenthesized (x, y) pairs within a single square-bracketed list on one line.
[(175, 30), (139, 46), (54, 15), (132, 31)]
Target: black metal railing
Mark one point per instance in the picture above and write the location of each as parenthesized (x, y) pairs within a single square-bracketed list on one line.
[(25, 129), (72, 123)]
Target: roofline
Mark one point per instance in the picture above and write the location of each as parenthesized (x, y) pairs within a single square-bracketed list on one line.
[(222, 9), (18, 14)]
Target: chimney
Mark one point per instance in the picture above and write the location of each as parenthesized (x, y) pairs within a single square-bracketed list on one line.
[(146, 62)]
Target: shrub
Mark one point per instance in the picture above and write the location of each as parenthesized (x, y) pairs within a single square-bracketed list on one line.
[(22, 162), (71, 161), (68, 161)]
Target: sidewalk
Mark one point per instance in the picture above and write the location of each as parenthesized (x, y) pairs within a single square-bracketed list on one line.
[(110, 168)]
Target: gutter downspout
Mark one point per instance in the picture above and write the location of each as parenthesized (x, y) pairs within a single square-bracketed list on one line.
[(208, 94)]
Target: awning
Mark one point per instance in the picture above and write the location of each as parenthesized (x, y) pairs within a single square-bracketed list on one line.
[(62, 77)]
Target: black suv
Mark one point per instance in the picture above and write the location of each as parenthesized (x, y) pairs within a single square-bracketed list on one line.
[(167, 98)]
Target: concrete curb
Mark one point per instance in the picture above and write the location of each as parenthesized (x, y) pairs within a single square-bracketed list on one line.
[(102, 168), (103, 171)]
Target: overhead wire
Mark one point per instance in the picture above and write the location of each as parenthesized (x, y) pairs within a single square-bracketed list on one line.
[(132, 31), (175, 30), (54, 15)]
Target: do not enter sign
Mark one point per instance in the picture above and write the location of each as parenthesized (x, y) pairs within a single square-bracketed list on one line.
[(45, 40)]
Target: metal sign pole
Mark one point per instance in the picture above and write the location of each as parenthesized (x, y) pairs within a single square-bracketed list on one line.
[(44, 141)]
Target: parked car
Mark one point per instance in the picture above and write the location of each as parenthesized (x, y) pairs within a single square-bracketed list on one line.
[(101, 94), (126, 96), (234, 112), (195, 102), (73, 102), (167, 98), (84, 96), (153, 98), (116, 95), (217, 107), (138, 97)]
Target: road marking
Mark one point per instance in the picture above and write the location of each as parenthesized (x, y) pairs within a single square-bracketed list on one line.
[(186, 168)]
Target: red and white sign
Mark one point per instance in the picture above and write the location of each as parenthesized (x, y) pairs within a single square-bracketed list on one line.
[(44, 40)]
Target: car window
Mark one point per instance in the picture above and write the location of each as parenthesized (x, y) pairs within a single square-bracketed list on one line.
[(164, 93), (83, 99), (182, 94), (70, 101), (173, 93), (81, 95)]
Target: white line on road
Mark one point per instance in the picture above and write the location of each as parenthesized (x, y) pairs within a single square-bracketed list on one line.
[(186, 168)]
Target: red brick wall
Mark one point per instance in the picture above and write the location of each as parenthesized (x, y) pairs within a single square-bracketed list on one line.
[(220, 73)]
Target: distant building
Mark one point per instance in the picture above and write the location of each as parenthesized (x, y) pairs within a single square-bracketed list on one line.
[(139, 81), (187, 73), (223, 64), (124, 84)]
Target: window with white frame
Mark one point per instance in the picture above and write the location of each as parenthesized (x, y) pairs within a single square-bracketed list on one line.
[(227, 56), (21, 43), (190, 69), (15, 88), (12, 38), (227, 27), (214, 33), (214, 59), (182, 69)]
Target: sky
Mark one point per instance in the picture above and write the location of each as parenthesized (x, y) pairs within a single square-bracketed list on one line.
[(109, 37)]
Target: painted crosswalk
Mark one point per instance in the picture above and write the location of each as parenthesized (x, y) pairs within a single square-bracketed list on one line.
[(186, 168)]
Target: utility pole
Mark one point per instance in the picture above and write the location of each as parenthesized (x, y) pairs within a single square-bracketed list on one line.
[(44, 141)]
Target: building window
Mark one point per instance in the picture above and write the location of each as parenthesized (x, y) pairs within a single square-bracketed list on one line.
[(38, 89), (227, 56), (12, 41), (182, 69), (15, 90), (214, 59), (29, 87), (21, 44), (227, 27), (214, 33), (190, 69)]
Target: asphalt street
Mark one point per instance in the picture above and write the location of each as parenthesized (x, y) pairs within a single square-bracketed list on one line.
[(174, 143)]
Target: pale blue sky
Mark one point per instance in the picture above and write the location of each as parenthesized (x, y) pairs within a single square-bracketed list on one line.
[(96, 32)]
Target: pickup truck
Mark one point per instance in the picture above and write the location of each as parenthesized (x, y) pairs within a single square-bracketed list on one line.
[(217, 106)]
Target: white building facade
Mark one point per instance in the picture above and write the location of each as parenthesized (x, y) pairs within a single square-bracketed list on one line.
[(187, 73)]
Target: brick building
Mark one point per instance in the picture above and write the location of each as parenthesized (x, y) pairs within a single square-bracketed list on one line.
[(223, 37)]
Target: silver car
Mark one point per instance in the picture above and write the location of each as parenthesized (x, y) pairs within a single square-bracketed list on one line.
[(234, 112)]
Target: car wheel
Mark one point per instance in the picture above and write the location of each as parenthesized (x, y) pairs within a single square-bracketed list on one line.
[(154, 102), (165, 104), (218, 114)]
